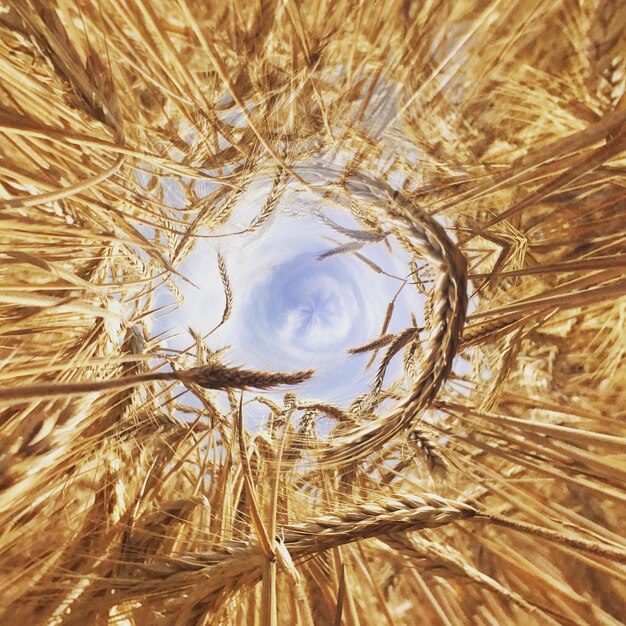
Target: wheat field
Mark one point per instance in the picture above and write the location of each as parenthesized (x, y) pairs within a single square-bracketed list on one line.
[(479, 478)]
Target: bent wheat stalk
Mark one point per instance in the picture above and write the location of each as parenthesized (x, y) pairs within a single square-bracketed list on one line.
[(233, 564), (198, 582), (449, 296)]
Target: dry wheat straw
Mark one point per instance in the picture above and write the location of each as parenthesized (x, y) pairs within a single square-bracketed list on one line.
[(486, 133)]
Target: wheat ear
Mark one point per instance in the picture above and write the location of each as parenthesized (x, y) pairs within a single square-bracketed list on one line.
[(210, 376)]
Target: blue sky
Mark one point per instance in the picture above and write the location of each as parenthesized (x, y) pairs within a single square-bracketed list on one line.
[(291, 310)]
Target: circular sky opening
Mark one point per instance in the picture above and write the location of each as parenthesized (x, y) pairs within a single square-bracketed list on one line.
[(307, 283)]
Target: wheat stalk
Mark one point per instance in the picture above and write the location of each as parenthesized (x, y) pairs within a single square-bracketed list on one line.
[(210, 376)]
